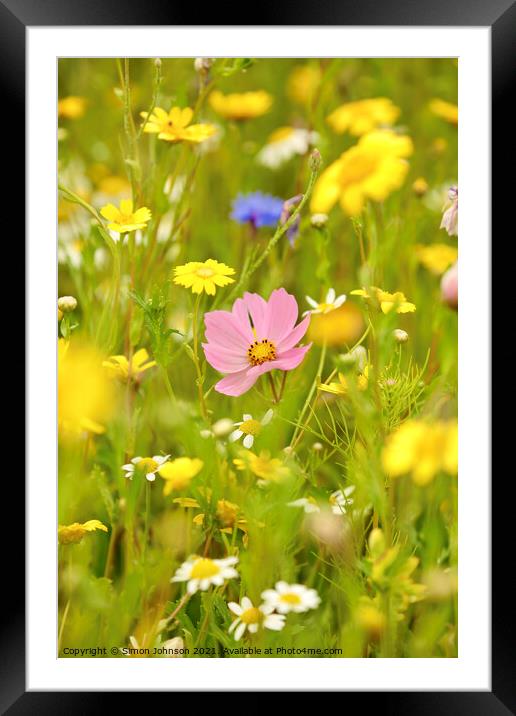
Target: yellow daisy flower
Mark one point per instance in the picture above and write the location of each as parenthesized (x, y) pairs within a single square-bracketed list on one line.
[(203, 276), (372, 169), (387, 300), (445, 110), (178, 473), (303, 83), (238, 106), (119, 367), (342, 387), (436, 257), (174, 126), (71, 107), (422, 450), (363, 116), (72, 534), (124, 219), (270, 469)]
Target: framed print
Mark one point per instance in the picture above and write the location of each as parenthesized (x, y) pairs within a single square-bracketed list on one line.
[(259, 425)]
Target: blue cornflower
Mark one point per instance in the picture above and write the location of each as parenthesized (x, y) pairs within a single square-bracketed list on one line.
[(257, 209)]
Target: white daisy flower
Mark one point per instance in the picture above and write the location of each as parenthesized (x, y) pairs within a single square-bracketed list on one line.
[(285, 143), (287, 598), (307, 503), (330, 303), (250, 428), (252, 618), (340, 500), (149, 465), (202, 572)]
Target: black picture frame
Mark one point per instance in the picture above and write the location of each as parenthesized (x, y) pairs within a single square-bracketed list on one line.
[(500, 16)]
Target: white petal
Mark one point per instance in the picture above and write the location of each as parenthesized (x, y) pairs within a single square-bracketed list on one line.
[(246, 416), (253, 628), (339, 301), (267, 417), (150, 476), (276, 622), (246, 603), (311, 302), (235, 608), (136, 460), (239, 631), (330, 296), (193, 586), (233, 625), (248, 441), (129, 467), (235, 435)]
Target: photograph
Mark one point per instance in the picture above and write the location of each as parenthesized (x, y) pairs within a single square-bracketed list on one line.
[(257, 357)]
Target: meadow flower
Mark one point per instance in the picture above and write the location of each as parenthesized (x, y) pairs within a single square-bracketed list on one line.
[(174, 125), (340, 500), (72, 107), (257, 209), (445, 110), (450, 287), (253, 618), (422, 449), (239, 106), (72, 534), (303, 83), (270, 469), (363, 116), (148, 466), (285, 143), (371, 169), (86, 399), (420, 186), (179, 473), (341, 327), (202, 572), (330, 303), (121, 368), (250, 428), (67, 304), (342, 387), (319, 221), (400, 336), (436, 257), (309, 504), (228, 514), (285, 598), (246, 351), (387, 300), (203, 276), (451, 215), (125, 219)]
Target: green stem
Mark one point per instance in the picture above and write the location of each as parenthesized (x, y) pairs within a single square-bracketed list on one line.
[(299, 430), (147, 513), (195, 331)]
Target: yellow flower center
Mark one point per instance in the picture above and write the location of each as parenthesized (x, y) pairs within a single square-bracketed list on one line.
[(204, 568), (250, 427), (205, 272), (261, 351), (291, 598), (251, 616), (147, 464)]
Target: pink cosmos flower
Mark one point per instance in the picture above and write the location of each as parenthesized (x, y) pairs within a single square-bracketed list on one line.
[(256, 336)]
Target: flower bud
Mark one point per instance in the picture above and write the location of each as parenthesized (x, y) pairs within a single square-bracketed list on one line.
[(67, 304), (223, 427), (420, 186), (450, 287), (315, 160), (400, 336), (376, 542), (317, 447), (319, 221), (202, 65)]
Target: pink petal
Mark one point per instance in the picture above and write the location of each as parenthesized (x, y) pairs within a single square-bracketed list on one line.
[(282, 313), (290, 359), (294, 336), (223, 328), (257, 307), (224, 361), (237, 383)]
